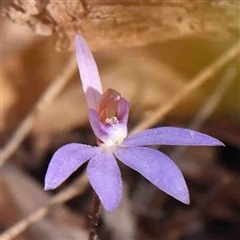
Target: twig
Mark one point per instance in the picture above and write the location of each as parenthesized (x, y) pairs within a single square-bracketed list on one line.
[(77, 188), (199, 120), (48, 96), (204, 113), (94, 217), (208, 108), (196, 82), (178, 152)]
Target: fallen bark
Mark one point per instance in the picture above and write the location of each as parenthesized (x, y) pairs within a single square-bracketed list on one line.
[(118, 23)]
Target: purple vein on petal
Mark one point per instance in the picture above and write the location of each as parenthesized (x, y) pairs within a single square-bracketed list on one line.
[(89, 74), (158, 168), (105, 178), (171, 136), (65, 161)]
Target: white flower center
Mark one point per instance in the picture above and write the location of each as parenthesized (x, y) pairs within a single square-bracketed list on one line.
[(116, 131)]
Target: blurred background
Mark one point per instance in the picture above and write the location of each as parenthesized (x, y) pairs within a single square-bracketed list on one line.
[(149, 52)]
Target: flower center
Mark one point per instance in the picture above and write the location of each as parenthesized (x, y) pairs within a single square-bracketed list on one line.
[(109, 111), (108, 107), (111, 121)]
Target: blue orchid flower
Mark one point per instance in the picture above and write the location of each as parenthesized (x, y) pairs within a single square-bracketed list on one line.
[(108, 115)]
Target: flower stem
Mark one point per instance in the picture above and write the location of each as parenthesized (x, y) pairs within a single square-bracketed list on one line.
[(94, 217)]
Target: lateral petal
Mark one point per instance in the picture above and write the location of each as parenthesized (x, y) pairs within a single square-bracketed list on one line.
[(65, 161), (171, 136), (123, 110), (105, 178), (158, 168), (96, 125)]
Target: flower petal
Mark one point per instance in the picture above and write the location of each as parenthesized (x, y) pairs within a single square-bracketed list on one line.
[(105, 178), (123, 110), (91, 82), (96, 125), (171, 136), (65, 161), (158, 168)]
